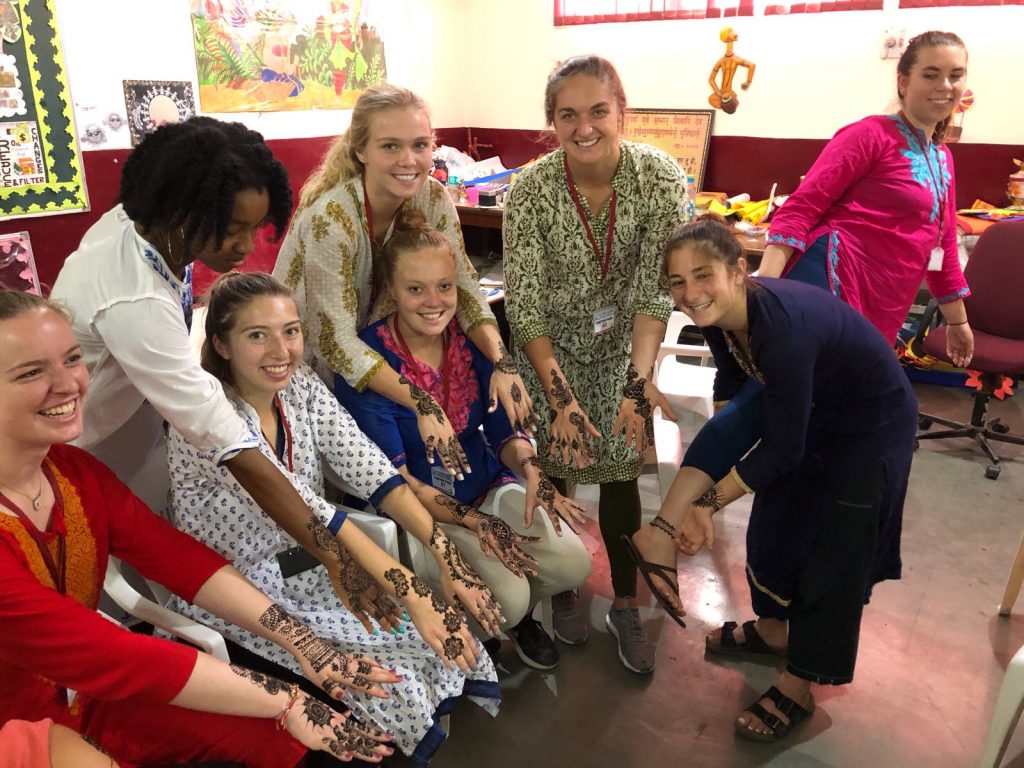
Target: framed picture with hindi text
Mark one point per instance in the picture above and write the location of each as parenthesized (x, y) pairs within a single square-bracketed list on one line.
[(683, 133)]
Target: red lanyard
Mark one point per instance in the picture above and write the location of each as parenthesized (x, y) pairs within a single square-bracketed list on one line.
[(375, 284), (604, 261), (57, 572), (283, 430), (934, 175), (423, 382)]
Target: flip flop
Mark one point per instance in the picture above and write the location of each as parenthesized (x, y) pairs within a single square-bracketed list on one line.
[(779, 729), (648, 569), (753, 644)]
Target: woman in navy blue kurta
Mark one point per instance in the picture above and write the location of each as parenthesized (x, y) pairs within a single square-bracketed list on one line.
[(830, 471), (423, 342)]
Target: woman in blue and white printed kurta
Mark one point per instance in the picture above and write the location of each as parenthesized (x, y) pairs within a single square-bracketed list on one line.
[(211, 506)]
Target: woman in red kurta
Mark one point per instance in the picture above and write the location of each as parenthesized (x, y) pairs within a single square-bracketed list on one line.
[(144, 700)]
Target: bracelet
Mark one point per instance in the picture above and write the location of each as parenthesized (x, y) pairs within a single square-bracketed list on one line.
[(287, 707), (963, 323)]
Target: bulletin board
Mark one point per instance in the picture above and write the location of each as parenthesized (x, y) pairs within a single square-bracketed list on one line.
[(683, 133), (40, 162)]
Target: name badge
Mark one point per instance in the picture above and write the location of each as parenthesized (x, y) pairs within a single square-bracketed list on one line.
[(935, 259), (440, 479), (604, 320)]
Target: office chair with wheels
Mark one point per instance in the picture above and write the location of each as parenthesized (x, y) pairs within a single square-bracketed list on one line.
[(995, 274)]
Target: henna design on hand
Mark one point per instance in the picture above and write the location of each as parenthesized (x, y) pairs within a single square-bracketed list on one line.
[(271, 685), (576, 419), (516, 393), (348, 739), (420, 587), (712, 500), (460, 512), (501, 536), (425, 404), (545, 491), (506, 364), (560, 391), (400, 581), (453, 647), (452, 620), (316, 712), (313, 649)]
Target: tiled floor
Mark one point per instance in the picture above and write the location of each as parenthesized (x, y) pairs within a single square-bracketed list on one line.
[(932, 653)]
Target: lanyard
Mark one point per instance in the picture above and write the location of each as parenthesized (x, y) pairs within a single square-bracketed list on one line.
[(934, 175), (57, 573), (423, 383), (602, 261), (283, 448)]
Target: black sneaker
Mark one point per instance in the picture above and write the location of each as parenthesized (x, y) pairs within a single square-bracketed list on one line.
[(532, 644)]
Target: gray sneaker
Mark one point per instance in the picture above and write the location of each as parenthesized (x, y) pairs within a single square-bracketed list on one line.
[(636, 652), (569, 626)]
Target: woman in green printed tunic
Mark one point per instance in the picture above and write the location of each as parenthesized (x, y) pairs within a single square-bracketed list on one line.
[(584, 228)]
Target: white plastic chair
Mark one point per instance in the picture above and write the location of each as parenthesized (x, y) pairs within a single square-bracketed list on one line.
[(511, 497), (1013, 583), (129, 599), (1008, 711), (685, 385)]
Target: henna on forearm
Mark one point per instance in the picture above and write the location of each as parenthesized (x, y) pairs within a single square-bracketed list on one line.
[(712, 500), (461, 513), (271, 685), (635, 390), (398, 580), (425, 404), (458, 568), (560, 391)]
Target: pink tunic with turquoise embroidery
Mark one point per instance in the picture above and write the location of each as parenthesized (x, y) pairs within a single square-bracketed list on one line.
[(883, 199)]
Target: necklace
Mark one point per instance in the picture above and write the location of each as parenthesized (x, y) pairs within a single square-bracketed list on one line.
[(36, 500)]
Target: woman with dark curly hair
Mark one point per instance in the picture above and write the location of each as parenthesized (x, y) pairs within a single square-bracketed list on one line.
[(192, 191)]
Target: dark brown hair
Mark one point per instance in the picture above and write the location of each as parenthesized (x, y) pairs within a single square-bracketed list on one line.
[(13, 303), (592, 65), (712, 236), (412, 233), (930, 39), (228, 295)]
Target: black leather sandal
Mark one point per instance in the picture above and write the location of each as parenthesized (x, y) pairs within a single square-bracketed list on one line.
[(666, 573), (753, 644), (779, 729)]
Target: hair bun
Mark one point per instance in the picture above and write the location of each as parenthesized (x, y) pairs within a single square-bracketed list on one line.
[(412, 220)]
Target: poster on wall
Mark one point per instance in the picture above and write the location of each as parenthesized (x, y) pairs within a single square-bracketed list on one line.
[(275, 55), (683, 133), (151, 103), (17, 266), (40, 163)]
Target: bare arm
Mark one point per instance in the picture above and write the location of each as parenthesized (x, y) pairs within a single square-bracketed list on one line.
[(774, 260)]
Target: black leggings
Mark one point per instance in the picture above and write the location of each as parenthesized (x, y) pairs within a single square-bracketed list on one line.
[(618, 515)]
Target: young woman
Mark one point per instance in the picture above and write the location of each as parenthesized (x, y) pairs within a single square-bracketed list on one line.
[(144, 700), (254, 345), (378, 169), (584, 230), (874, 217), (422, 342), (830, 471), (191, 191)]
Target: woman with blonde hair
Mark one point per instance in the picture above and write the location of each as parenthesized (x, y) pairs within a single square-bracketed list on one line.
[(374, 172)]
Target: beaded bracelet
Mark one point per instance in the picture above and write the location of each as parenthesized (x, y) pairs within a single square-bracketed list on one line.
[(287, 707)]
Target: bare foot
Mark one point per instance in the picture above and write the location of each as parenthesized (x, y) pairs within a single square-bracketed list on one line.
[(657, 547), (793, 687), (775, 633)]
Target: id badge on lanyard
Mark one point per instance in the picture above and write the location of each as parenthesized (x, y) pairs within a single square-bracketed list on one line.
[(441, 480), (604, 320)]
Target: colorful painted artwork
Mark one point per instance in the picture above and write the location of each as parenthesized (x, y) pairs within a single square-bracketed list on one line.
[(274, 55)]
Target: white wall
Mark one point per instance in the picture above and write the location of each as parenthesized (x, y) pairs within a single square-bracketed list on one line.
[(484, 63), (814, 73), (108, 41)]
